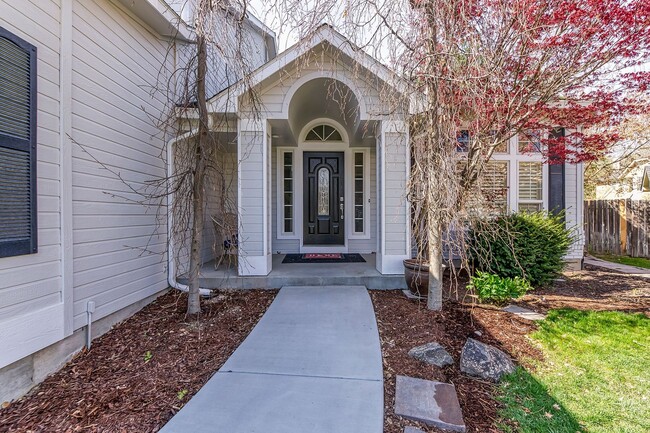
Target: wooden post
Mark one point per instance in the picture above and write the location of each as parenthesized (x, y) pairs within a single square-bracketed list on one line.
[(622, 214)]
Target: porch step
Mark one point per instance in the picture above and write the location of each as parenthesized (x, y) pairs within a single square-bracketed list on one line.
[(378, 282), (302, 274)]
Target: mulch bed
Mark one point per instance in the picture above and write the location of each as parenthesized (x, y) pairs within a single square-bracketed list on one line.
[(595, 289), (404, 324), (138, 375)]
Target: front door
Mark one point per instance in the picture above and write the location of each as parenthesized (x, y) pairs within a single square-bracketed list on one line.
[(324, 198)]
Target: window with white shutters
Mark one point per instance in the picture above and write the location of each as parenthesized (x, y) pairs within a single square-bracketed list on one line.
[(17, 146)]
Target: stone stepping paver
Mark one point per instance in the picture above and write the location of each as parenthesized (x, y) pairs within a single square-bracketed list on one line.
[(524, 313), (433, 403), (312, 364)]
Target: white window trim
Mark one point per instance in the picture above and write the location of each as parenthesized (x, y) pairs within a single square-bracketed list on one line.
[(281, 234), (513, 157), (298, 155), (366, 195)]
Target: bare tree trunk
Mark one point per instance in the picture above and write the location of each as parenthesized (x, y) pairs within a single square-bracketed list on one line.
[(434, 230), (194, 300)]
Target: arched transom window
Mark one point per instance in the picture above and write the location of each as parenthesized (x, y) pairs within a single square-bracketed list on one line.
[(323, 133)]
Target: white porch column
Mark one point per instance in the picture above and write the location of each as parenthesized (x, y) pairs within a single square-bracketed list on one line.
[(253, 188), (393, 160)]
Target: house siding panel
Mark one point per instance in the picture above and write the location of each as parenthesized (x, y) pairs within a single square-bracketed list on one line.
[(115, 61), (251, 192), (395, 188)]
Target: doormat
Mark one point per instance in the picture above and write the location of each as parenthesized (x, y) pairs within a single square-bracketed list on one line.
[(324, 258)]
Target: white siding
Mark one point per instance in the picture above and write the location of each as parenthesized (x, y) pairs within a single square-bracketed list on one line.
[(395, 223), (574, 201), (115, 63), (251, 195), (31, 309)]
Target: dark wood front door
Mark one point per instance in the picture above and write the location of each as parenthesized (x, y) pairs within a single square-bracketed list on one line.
[(323, 198)]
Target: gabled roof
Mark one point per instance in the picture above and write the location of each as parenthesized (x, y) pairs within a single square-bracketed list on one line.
[(323, 34)]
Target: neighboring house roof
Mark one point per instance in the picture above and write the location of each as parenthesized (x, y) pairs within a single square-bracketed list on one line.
[(166, 21), (161, 17), (323, 34)]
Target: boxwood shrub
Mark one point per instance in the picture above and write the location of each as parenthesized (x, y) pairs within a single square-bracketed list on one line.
[(526, 245)]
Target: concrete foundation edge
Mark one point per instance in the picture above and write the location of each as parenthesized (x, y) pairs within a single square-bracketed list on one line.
[(18, 378)]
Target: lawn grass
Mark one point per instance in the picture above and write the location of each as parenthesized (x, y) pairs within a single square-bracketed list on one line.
[(625, 260), (595, 378)]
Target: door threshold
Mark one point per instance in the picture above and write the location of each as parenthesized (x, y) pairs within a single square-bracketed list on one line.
[(323, 249)]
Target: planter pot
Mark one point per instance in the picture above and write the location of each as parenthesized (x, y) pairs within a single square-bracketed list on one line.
[(416, 273)]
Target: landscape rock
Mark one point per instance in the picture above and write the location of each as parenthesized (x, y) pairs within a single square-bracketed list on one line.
[(484, 361), (432, 353)]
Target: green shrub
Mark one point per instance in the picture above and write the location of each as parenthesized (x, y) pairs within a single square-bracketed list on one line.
[(498, 290), (526, 245)]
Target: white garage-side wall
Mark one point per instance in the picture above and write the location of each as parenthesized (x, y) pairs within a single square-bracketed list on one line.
[(96, 65)]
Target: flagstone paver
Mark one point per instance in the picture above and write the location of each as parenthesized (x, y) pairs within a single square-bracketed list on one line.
[(433, 403)]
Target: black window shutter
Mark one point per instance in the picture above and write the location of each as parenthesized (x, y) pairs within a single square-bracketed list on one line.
[(17, 146), (556, 179)]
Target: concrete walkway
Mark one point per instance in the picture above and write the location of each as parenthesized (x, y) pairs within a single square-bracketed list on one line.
[(618, 267), (312, 364)]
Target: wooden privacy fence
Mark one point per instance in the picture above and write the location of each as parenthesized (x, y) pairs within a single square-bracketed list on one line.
[(619, 227)]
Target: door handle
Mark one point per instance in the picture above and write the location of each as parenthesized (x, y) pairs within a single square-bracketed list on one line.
[(341, 208)]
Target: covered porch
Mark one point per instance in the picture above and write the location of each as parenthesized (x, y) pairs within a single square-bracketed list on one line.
[(319, 165)]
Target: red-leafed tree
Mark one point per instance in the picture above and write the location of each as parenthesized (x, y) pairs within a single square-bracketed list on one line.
[(496, 68)]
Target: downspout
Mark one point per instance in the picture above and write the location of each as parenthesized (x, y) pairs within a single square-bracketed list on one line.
[(171, 268)]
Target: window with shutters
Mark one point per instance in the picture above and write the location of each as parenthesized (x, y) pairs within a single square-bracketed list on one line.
[(530, 186), (17, 146)]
